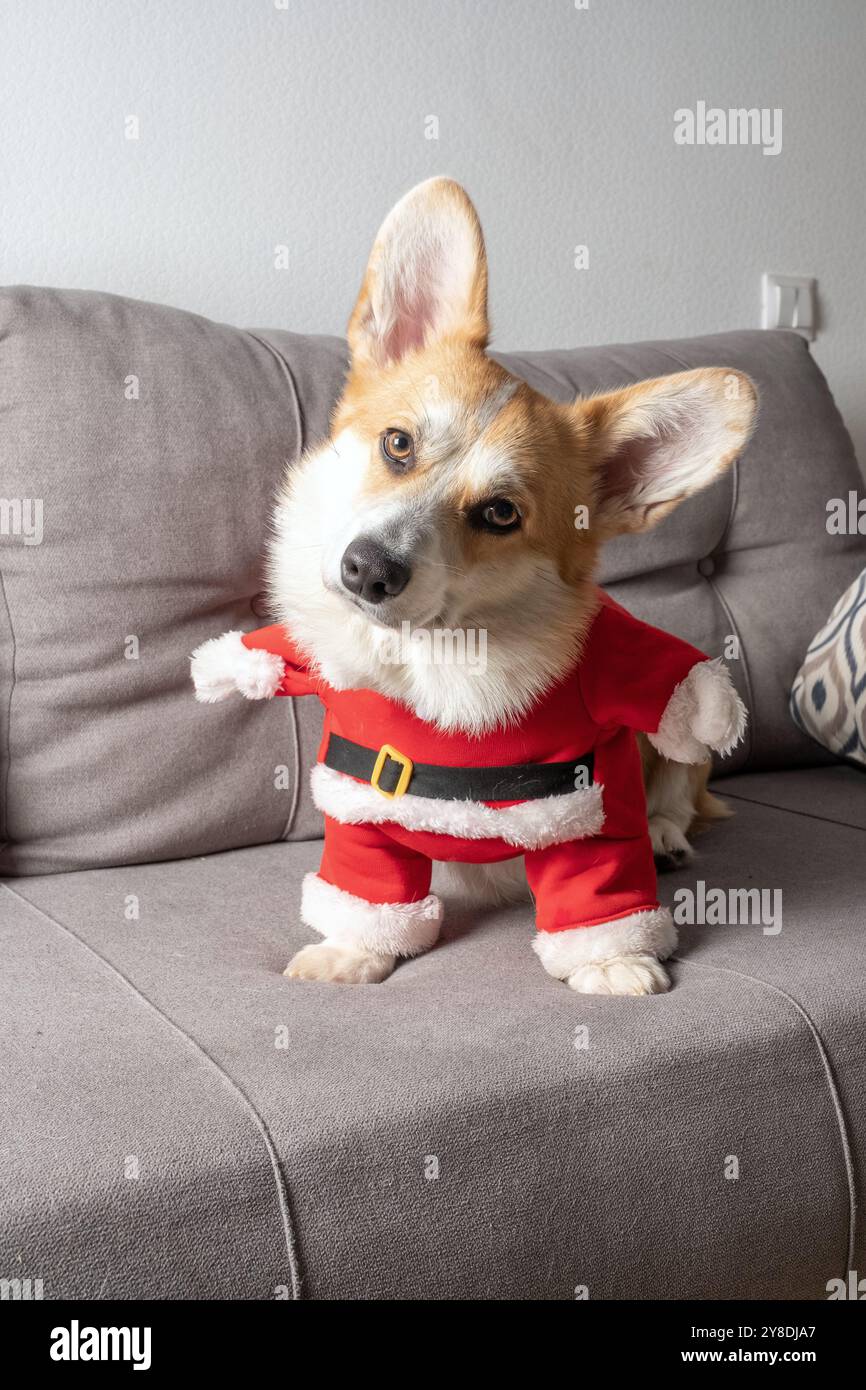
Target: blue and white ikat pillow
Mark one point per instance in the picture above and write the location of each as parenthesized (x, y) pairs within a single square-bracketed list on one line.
[(828, 697)]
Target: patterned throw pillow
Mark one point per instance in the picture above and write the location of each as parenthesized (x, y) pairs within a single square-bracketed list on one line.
[(828, 697)]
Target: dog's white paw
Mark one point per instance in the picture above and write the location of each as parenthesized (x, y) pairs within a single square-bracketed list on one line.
[(669, 843), (339, 964), (621, 975)]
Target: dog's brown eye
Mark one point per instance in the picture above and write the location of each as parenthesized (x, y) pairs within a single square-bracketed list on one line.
[(398, 448), (499, 515)]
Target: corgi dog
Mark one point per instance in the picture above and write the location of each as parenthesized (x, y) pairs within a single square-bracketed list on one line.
[(453, 499)]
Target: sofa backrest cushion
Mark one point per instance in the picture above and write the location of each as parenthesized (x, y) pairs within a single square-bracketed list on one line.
[(154, 440)]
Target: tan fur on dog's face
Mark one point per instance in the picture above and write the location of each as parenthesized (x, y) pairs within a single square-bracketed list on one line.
[(479, 436)]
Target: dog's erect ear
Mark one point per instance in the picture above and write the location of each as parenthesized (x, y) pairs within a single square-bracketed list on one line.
[(660, 441), (426, 279)]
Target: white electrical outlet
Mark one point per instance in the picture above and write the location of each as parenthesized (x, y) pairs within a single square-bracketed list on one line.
[(788, 301)]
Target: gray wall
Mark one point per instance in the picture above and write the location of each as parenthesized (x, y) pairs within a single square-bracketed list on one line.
[(263, 126)]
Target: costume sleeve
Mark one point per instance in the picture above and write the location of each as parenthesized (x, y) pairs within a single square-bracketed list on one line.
[(296, 678), (257, 665), (629, 670)]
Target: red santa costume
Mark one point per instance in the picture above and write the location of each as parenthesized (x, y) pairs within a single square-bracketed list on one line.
[(561, 786)]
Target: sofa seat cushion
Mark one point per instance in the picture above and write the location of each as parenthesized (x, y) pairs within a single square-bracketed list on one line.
[(468, 1129), (835, 794)]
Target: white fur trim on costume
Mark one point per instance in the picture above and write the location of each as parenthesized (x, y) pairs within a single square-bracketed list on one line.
[(529, 825), (223, 665), (705, 712), (651, 932), (395, 929)]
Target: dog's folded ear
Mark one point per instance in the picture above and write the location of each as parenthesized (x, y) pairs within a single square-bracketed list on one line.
[(654, 444), (426, 278)]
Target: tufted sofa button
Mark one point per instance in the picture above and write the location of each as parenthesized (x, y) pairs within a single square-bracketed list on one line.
[(707, 566)]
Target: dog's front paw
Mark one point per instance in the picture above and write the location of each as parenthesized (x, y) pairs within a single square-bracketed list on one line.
[(339, 964), (621, 975), (671, 848)]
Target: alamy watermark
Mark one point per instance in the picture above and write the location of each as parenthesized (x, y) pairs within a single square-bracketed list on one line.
[(22, 516), (712, 125), (21, 1290), (441, 646), (846, 516), (77, 1343), (729, 907), (853, 1288)]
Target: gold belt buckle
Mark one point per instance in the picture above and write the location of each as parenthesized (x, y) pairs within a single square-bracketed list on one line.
[(406, 765)]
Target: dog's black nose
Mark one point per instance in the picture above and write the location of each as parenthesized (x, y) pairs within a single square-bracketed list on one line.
[(369, 571)]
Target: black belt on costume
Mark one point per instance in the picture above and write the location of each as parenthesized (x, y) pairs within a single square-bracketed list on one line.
[(393, 774)]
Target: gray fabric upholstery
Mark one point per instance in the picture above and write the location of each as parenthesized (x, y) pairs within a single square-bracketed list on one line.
[(155, 513), (558, 1166), (132, 1166), (836, 794)]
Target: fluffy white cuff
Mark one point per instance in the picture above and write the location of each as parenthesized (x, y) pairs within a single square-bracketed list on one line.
[(394, 929), (641, 933), (705, 712), (223, 665), (529, 825)]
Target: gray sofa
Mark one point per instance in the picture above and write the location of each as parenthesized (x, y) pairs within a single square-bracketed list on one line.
[(179, 1121)]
